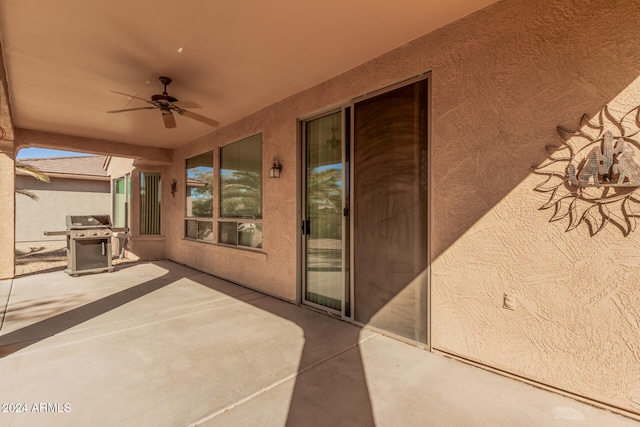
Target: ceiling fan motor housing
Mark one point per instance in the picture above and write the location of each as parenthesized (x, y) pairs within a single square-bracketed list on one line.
[(165, 104), (163, 98)]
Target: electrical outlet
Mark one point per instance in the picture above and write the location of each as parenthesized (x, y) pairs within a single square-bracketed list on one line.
[(509, 301)]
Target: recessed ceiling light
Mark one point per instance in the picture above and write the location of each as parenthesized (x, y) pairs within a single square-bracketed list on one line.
[(180, 50)]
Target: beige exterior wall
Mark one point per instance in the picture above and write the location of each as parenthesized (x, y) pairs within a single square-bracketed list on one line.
[(273, 270), (7, 216), (7, 176), (148, 247), (57, 199), (141, 247), (502, 80), (499, 91)]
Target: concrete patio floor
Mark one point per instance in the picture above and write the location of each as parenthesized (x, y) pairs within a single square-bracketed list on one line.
[(159, 344)]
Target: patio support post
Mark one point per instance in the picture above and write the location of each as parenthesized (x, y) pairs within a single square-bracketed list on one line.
[(7, 182), (7, 216)]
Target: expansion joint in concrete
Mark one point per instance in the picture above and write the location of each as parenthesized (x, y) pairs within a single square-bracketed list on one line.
[(6, 306), (281, 381)]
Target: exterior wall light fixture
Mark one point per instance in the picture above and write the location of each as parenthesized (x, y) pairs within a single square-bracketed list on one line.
[(174, 188), (276, 168)]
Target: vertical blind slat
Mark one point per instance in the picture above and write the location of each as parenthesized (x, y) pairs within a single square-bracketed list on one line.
[(150, 204)]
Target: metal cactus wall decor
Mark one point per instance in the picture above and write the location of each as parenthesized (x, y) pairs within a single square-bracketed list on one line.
[(594, 176)]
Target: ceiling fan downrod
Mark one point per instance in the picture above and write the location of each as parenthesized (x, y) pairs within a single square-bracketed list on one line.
[(166, 81)]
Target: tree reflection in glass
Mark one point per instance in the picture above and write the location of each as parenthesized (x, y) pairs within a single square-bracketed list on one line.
[(323, 258), (199, 194), (241, 193)]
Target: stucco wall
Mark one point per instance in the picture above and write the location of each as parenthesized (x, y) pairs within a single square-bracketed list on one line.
[(56, 200), (145, 247), (119, 166), (273, 270), (502, 80), (7, 176), (7, 212)]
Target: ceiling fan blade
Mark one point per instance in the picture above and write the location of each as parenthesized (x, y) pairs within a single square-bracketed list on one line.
[(131, 109), (186, 104), (131, 96), (169, 120), (198, 117)]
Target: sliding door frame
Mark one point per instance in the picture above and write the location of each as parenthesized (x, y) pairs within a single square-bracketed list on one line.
[(425, 76), (347, 110), (345, 279)]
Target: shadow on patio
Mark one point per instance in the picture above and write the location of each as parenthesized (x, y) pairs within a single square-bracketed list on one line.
[(162, 344)]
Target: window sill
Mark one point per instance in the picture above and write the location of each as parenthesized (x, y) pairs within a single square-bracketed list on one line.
[(235, 250), (241, 248), (148, 237), (206, 242), (249, 253)]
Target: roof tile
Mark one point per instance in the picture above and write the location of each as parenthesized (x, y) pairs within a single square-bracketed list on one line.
[(82, 165)]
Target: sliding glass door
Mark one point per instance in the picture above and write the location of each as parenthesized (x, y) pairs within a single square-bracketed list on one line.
[(390, 177), (365, 211), (324, 224)]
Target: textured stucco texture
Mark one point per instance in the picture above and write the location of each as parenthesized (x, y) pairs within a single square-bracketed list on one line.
[(7, 215), (57, 199), (502, 80)]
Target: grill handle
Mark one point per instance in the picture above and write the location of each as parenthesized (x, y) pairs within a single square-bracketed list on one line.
[(56, 233)]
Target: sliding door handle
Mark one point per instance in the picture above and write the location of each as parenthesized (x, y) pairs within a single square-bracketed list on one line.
[(306, 227)]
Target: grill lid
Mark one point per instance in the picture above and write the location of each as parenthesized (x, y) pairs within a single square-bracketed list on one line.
[(78, 222)]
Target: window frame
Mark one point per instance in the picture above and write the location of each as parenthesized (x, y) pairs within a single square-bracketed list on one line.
[(126, 215), (243, 223), (199, 220)]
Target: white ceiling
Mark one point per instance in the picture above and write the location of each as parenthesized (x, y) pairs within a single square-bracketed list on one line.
[(64, 57)]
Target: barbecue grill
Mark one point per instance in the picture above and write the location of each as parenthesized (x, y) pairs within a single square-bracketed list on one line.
[(88, 243)]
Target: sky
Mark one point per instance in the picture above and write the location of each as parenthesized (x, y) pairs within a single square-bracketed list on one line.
[(39, 153)]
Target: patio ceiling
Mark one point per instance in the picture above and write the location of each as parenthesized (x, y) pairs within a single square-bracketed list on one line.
[(63, 59)]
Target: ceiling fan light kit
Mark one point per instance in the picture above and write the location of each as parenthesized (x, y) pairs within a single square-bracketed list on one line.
[(167, 105)]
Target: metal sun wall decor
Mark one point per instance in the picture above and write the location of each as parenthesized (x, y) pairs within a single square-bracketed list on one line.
[(593, 177)]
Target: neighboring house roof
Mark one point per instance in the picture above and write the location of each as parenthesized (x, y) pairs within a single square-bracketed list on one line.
[(83, 167)]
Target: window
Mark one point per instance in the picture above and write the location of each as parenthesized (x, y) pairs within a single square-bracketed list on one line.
[(198, 223), (240, 221), (121, 201), (150, 203)]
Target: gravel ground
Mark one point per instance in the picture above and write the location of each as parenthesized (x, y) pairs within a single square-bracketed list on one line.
[(45, 258)]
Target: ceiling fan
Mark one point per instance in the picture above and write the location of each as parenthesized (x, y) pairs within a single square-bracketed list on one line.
[(167, 105)]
